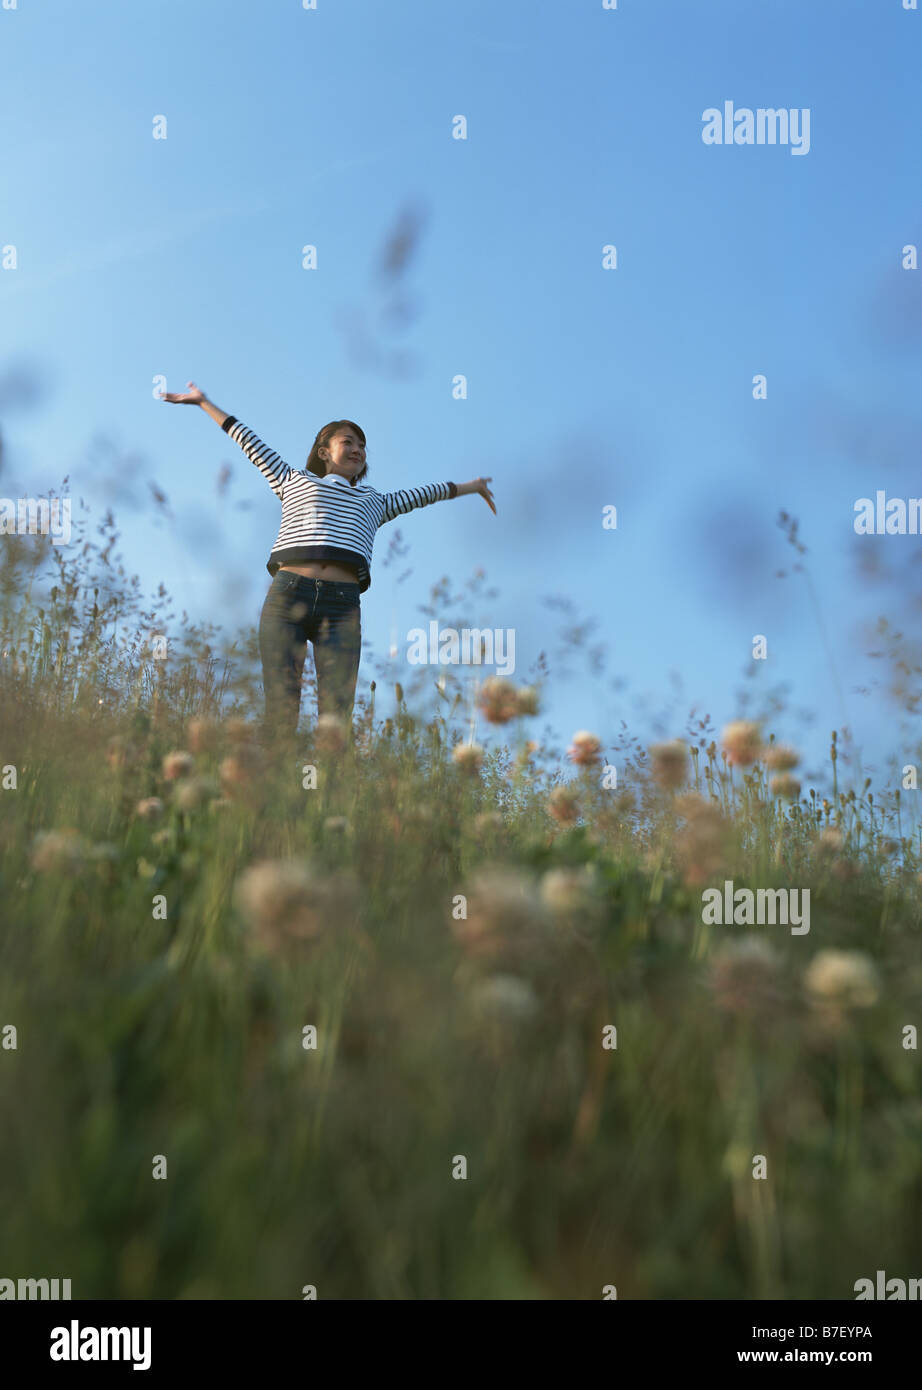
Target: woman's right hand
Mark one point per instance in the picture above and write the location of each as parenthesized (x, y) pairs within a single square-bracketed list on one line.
[(193, 397)]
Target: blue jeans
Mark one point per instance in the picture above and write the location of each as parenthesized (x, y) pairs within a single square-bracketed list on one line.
[(299, 610)]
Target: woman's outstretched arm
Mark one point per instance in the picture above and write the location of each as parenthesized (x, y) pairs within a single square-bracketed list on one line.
[(406, 499), (274, 469), (195, 397)]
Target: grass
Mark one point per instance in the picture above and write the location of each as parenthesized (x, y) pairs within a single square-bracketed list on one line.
[(459, 1130)]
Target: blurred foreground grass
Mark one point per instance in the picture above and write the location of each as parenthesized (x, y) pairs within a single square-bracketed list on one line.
[(177, 907)]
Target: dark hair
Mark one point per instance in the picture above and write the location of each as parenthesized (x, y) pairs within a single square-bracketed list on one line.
[(315, 464)]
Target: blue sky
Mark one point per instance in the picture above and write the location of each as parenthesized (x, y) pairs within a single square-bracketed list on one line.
[(633, 387)]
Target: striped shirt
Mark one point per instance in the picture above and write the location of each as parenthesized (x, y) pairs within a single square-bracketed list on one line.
[(328, 518)]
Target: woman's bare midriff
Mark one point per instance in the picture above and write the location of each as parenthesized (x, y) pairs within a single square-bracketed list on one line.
[(324, 569)]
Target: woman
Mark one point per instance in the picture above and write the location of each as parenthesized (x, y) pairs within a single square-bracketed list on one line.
[(320, 562)]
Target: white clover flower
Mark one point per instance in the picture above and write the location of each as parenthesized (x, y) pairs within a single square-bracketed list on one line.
[(191, 793), (845, 978), (585, 748), (177, 764), (742, 742), (288, 901)]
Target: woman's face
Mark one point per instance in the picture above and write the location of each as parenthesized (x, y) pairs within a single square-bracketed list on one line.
[(345, 455)]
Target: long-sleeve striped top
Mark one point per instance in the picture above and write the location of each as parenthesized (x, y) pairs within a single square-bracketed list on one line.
[(328, 518)]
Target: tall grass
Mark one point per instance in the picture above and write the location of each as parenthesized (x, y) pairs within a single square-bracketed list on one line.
[(172, 924)]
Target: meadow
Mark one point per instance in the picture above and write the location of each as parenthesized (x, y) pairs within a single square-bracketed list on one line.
[(396, 1016)]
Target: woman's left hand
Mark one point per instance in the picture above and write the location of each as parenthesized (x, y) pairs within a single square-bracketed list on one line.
[(480, 485)]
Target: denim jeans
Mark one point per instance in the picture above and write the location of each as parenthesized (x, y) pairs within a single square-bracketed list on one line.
[(299, 610)]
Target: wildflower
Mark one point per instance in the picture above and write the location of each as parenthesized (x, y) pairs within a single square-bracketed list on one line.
[(190, 793), (287, 903), (670, 764), (468, 756), (498, 700), (785, 786), (330, 733), (563, 806), (179, 764), (743, 976), (526, 700), (585, 748), (54, 850), (781, 757), (845, 979), (741, 742), (567, 891), (151, 808), (504, 915)]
